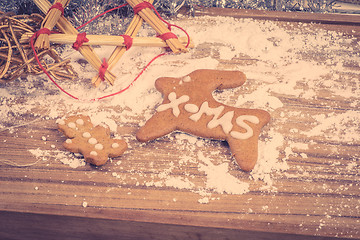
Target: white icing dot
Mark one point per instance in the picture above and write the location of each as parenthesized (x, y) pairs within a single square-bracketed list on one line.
[(68, 141), (86, 135), (93, 153), (92, 141), (187, 79), (191, 108), (71, 125), (115, 145), (60, 121), (99, 146), (80, 121)]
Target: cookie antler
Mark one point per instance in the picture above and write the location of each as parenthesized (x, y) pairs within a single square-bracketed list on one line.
[(205, 79), (214, 79)]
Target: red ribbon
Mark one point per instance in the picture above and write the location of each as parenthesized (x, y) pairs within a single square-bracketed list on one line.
[(128, 41), (137, 8), (103, 69), (57, 6), (42, 31), (167, 36), (80, 40)]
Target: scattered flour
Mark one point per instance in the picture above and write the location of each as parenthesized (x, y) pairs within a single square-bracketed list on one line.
[(219, 179), (279, 69), (269, 159), (337, 127), (65, 157)]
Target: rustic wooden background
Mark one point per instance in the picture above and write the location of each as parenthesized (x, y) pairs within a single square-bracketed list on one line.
[(51, 200)]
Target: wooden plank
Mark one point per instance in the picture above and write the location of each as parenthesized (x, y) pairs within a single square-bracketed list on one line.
[(50, 188), (345, 23), (325, 18), (41, 226)]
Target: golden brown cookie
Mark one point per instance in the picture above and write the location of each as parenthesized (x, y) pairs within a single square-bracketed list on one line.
[(189, 106), (93, 142)]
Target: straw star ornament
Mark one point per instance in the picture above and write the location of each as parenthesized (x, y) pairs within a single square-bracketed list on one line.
[(143, 11)]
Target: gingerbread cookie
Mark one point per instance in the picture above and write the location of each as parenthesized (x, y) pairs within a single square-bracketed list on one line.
[(93, 142), (189, 106)]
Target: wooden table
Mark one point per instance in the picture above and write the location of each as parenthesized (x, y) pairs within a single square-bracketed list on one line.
[(317, 197)]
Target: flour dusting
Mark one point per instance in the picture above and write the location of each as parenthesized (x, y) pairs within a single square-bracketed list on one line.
[(277, 67)]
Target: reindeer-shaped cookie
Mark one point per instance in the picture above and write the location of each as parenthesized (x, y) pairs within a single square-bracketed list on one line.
[(189, 106)]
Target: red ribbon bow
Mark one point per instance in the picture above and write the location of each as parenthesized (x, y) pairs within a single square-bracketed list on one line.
[(80, 40), (103, 69)]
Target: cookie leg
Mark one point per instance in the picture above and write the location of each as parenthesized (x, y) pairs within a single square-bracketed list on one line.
[(157, 126), (245, 152)]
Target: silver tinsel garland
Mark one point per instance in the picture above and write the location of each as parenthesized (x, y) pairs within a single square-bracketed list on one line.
[(80, 11), (171, 7)]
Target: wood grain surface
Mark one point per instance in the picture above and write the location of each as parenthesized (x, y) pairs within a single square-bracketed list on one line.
[(318, 197)]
